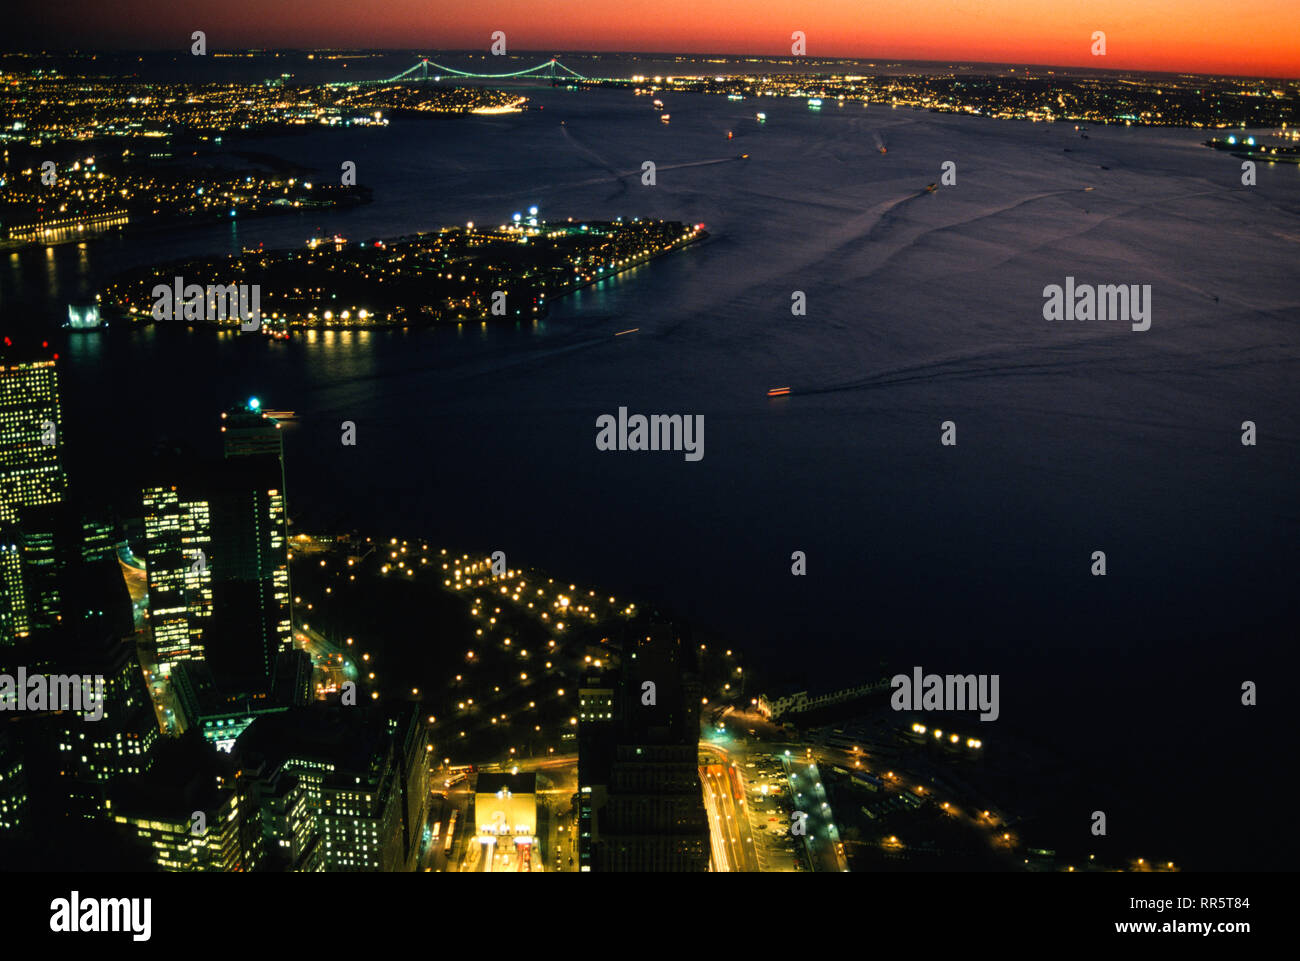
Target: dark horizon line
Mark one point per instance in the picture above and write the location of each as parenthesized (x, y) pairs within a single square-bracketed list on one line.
[(551, 53)]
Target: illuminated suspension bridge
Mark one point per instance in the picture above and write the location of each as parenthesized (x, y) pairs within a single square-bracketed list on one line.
[(549, 69)]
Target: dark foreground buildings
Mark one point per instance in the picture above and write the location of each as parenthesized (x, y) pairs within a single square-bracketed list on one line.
[(88, 778), (640, 803), (306, 790), (339, 788)]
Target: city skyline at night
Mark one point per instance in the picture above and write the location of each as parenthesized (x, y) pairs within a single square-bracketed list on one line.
[(356, 515)]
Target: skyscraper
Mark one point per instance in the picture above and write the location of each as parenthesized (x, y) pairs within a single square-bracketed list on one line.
[(218, 559), (178, 539), (13, 597), (640, 805), (56, 542), (217, 544), (120, 743), (249, 431), (81, 628), (31, 431), (252, 537), (250, 624), (597, 739)]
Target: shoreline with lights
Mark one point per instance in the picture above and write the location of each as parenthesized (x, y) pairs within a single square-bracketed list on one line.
[(452, 275)]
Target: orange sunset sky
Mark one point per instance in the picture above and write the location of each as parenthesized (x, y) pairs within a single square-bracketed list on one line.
[(1249, 37)]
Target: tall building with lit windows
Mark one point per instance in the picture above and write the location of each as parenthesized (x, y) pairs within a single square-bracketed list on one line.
[(359, 773), (178, 541), (83, 630), (291, 840), (56, 543), (217, 552), (250, 625), (31, 431), (253, 443), (14, 801), (165, 828), (119, 743), (14, 623)]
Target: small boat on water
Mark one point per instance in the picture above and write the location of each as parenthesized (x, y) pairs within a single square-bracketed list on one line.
[(778, 392), (760, 117), (930, 188), (665, 117)]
